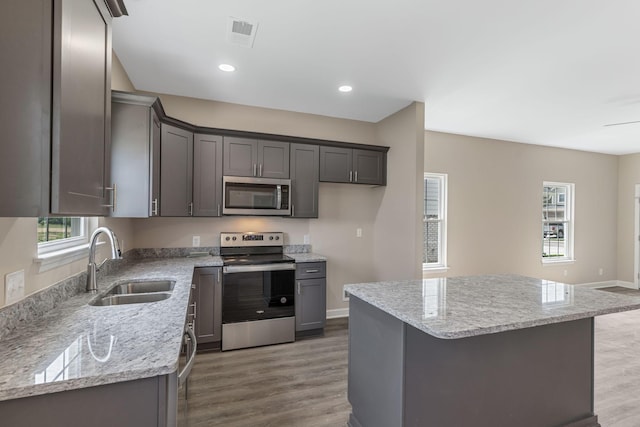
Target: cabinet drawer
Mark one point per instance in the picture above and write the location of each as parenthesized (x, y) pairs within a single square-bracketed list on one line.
[(310, 270)]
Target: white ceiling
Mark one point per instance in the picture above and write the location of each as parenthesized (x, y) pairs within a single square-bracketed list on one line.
[(543, 72)]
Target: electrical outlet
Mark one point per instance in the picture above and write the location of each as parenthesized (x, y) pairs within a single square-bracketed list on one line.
[(307, 240), (601, 271), (13, 287), (566, 273), (358, 232), (196, 241)]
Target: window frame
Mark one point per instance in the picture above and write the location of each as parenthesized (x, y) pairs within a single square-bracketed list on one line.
[(568, 201), (68, 243), (442, 179)]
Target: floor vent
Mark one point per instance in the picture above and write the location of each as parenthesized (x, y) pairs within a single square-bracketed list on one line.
[(241, 31)]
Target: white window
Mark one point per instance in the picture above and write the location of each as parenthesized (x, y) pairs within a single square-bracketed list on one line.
[(59, 233), (435, 227), (557, 222)]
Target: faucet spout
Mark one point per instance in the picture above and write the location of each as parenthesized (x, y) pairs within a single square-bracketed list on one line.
[(91, 267)]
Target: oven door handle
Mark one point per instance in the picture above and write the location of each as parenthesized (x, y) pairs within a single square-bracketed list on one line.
[(229, 269)]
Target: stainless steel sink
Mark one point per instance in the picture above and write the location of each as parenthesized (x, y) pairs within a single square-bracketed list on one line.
[(131, 298), (142, 286)]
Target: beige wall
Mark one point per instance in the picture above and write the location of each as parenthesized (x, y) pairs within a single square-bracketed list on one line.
[(119, 77), (628, 177), (494, 211), (397, 243)]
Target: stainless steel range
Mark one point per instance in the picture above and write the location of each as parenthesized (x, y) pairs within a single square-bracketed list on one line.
[(258, 287)]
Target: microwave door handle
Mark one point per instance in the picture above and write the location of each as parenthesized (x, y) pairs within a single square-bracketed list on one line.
[(278, 196)]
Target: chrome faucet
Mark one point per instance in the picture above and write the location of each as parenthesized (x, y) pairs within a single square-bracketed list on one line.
[(92, 268)]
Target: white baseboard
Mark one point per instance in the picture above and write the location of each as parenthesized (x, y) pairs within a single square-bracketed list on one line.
[(608, 284), (337, 312)]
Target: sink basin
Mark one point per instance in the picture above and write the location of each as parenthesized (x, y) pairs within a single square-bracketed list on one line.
[(131, 298), (142, 287)]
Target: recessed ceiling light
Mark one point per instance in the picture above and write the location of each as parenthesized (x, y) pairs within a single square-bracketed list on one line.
[(226, 67), (345, 88)]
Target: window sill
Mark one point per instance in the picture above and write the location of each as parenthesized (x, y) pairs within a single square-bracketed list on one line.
[(56, 259), (439, 269), (558, 262)]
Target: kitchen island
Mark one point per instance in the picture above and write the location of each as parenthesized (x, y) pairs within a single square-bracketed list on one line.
[(498, 350)]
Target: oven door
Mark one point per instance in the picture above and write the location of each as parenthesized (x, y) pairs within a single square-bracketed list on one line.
[(258, 292), (256, 196)]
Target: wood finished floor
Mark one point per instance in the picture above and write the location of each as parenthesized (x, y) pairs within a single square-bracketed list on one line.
[(305, 383), (298, 384)]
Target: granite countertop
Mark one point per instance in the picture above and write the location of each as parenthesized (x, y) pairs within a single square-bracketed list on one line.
[(76, 345), (459, 307), (306, 257)]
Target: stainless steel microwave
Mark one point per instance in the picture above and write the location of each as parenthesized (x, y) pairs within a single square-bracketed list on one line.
[(256, 196)]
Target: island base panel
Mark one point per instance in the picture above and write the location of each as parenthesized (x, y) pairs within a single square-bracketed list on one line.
[(539, 376)]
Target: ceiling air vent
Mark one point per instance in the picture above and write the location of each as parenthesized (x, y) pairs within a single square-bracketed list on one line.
[(241, 31)]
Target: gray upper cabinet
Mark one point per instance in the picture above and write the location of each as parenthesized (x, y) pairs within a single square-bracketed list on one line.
[(304, 180), (135, 155), (55, 107), (250, 157), (176, 173), (352, 165), (81, 127), (207, 175), (368, 167), (336, 164)]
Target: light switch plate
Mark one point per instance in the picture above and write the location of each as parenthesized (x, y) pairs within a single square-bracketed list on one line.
[(13, 287), (306, 239), (196, 241)]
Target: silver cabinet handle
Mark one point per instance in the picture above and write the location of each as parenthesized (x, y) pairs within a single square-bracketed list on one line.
[(154, 207), (350, 176), (182, 376), (191, 209), (218, 209), (298, 288), (114, 194), (219, 272), (293, 210), (195, 310), (260, 170), (254, 170), (315, 270), (356, 180)]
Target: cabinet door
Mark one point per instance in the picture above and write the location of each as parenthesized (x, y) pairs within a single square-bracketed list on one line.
[(130, 159), (273, 159), (336, 164), (311, 304), (368, 167), (208, 299), (305, 166), (240, 157), (154, 203), (25, 107), (176, 174), (81, 108), (207, 175)]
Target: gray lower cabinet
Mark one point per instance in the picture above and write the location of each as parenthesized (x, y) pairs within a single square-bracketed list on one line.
[(55, 107), (207, 175), (311, 297), (176, 171), (355, 166), (148, 402), (305, 169), (254, 158), (135, 155), (208, 306)]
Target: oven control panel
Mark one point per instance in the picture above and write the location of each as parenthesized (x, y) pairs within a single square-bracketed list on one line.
[(251, 239)]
